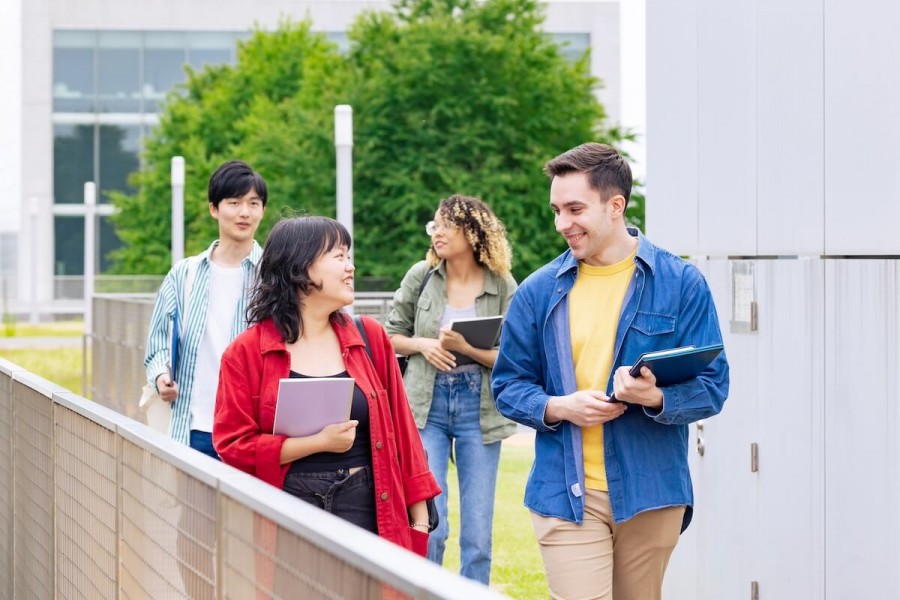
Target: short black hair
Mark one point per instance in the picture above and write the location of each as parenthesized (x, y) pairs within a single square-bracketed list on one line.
[(233, 179), (607, 170), (292, 247)]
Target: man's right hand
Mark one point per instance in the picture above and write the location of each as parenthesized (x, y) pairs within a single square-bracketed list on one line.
[(168, 389), (583, 408)]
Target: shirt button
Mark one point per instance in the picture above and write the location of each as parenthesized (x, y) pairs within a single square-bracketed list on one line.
[(384, 496), (378, 445), (373, 394)]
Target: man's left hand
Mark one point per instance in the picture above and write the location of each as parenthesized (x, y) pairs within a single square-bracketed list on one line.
[(637, 390)]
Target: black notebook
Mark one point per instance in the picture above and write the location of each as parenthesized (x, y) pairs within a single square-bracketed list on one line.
[(480, 332), (676, 365)]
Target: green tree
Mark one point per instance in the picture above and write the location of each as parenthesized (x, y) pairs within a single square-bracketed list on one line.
[(449, 96), (462, 96), (272, 108)]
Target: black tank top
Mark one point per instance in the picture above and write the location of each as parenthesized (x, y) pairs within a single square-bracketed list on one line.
[(359, 455)]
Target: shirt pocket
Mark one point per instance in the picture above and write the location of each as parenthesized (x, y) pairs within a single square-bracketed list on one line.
[(656, 330), (422, 322)]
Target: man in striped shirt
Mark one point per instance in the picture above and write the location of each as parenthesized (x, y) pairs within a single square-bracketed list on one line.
[(206, 296)]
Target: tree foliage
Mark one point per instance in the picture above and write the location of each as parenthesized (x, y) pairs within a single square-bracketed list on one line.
[(449, 96)]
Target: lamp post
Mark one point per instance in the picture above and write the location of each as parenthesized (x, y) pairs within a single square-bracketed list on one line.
[(177, 209)]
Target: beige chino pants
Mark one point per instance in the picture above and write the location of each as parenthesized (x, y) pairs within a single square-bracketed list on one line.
[(607, 560)]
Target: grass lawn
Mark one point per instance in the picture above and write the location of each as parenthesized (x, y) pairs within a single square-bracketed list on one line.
[(62, 366), (52, 329), (516, 568)]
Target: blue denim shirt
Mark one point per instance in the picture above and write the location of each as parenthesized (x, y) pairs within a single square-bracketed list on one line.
[(668, 304)]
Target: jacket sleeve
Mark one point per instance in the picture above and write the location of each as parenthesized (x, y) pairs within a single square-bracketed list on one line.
[(698, 325), (402, 318), (418, 481), (156, 356), (236, 431), (517, 379)]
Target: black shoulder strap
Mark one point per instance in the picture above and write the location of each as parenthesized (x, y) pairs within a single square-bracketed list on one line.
[(357, 320), (424, 281)]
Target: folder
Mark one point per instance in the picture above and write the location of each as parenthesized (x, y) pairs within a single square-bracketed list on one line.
[(480, 332), (306, 405), (676, 365)]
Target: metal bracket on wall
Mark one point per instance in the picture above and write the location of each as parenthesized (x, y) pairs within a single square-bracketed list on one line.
[(744, 310), (754, 590)]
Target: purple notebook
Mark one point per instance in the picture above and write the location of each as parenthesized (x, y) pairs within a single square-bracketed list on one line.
[(305, 406)]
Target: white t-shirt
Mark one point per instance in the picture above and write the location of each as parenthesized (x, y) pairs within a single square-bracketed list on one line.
[(225, 289)]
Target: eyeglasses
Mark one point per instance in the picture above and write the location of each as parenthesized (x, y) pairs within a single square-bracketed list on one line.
[(432, 227)]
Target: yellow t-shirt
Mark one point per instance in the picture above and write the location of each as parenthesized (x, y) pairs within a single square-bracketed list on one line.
[(595, 304)]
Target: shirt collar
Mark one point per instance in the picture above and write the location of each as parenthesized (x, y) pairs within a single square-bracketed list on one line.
[(646, 253), (252, 258)]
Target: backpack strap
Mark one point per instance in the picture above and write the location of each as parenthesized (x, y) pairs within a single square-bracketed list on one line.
[(357, 320)]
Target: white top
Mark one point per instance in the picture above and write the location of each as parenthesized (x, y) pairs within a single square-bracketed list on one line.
[(225, 290)]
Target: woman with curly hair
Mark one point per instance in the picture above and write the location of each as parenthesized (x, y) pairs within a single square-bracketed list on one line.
[(466, 273), (370, 470)]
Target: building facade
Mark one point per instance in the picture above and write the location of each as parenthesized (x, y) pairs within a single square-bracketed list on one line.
[(86, 90)]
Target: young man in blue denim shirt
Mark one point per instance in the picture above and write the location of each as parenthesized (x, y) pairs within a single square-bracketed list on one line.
[(610, 490)]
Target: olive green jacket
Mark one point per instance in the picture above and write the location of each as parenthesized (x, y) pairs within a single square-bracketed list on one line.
[(423, 318)]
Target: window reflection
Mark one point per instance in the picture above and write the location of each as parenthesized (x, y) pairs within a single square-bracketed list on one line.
[(73, 162), (73, 71), (119, 71), (572, 45), (210, 48), (165, 54), (118, 158), (68, 252)]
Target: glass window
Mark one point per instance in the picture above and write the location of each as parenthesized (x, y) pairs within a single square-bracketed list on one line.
[(119, 158), (73, 162), (73, 71), (210, 48), (572, 45), (68, 237), (164, 58), (340, 38), (119, 71), (109, 241)]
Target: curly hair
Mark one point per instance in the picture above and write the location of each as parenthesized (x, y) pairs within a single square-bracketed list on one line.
[(483, 230), (292, 247)]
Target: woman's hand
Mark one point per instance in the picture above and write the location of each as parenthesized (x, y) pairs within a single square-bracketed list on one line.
[(431, 349), (338, 437), (453, 340)]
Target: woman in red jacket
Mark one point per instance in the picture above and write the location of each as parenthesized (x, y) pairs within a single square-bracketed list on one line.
[(370, 470)]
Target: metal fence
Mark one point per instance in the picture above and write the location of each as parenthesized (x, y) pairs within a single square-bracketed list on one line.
[(119, 337), (96, 505)]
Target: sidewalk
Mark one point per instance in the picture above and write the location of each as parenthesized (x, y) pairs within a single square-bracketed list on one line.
[(11, 343)]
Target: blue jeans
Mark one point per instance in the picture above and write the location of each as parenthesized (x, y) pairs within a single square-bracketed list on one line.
[(454, 420), (201, 441)]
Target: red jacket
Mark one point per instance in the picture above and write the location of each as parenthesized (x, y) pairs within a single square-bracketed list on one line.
[(245, 415)]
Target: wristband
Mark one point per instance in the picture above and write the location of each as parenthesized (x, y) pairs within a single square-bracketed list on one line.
[(425, 525)]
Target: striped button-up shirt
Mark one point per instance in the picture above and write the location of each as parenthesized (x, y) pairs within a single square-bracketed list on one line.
[(192, 322)]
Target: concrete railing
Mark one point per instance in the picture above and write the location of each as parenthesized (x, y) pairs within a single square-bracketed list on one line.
[(96, 505)]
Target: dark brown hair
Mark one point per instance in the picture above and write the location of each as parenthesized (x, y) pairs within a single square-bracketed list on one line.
[(607, 171)]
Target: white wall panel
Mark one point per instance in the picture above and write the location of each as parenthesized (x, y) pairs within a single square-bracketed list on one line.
[(672, 192), (790, 388), (862, 426), (862, 127), (727, 127), (725, 490), (790, 180)]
